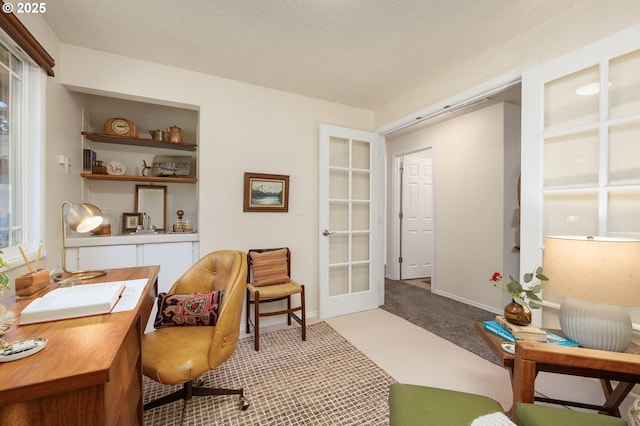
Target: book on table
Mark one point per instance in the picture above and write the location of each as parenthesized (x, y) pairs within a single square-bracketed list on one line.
[(553, 339), (73, 302), (498, 330), (523, 332)]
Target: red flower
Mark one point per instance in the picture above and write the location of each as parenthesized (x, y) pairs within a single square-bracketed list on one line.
[(524, 296)]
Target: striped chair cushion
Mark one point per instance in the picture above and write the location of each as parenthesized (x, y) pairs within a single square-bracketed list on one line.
[(269, 267)]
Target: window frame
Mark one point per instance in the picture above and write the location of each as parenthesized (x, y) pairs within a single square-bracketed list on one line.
[(31, 157)]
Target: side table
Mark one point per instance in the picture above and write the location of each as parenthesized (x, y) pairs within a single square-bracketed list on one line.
[(533, 357)]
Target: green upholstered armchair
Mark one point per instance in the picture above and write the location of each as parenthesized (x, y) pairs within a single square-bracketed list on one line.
[(413, 405)]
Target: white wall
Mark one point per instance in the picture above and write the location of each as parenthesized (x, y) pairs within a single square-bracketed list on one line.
[(473, 195), (511, 225)]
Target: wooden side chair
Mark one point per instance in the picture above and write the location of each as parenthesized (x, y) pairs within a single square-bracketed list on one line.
[(269, 280)]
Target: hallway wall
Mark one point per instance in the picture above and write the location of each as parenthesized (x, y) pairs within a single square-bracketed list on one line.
[(475, 197)]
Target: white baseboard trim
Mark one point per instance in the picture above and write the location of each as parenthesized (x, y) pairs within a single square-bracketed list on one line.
[(467, 301)]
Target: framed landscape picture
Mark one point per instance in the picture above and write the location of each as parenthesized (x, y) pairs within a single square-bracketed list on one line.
[(266, 193)]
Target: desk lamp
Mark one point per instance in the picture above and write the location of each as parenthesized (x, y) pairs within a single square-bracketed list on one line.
[(598, 276), (79, 217)]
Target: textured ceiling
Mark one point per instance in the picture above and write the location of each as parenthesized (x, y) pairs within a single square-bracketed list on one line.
[(356, 52)]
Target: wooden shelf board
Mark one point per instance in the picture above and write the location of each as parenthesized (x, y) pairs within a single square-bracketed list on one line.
[(139, 178), (149, 143)]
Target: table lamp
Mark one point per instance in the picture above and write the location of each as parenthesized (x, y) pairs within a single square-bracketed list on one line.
[(80, 217), (598, 276)]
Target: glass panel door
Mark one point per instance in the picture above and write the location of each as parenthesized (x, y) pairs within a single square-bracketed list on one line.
[(591, 150), (349, 216), (351, 210), (580, 145)]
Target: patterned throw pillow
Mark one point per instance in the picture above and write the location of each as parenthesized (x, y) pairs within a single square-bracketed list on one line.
[(270, 267), (188, 309)]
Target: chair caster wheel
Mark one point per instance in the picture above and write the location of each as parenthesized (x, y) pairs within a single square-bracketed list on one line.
[(198, 381), (244, 403)]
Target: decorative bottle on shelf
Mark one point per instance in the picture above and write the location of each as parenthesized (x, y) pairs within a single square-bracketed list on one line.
[(178, 226)]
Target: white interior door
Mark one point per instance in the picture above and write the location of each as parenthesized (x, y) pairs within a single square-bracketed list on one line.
[(351, 221), (416, 248)]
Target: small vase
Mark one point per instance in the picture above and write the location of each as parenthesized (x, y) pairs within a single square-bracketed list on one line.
[(517, 314)]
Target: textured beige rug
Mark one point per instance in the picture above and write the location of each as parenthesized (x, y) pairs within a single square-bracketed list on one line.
[(323, 381)]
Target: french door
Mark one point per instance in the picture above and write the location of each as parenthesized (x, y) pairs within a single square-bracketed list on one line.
[(581, 145), (351, 207)]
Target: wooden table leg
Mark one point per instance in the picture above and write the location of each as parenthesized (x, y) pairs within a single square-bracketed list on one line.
[(524, 380), (614, 397)]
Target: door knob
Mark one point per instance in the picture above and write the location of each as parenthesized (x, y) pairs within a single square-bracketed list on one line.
[(326, 232)]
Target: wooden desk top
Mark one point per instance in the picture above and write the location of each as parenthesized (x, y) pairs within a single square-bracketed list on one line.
[(79, 351)]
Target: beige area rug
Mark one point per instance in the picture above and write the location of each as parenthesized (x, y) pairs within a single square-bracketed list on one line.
[(323, 381), (411, 354)]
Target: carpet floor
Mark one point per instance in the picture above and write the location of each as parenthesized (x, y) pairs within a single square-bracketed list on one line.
[(424, 283), (324, 381), (444, 317)]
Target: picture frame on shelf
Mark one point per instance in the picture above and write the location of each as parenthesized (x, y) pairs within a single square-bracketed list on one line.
[(130, 221), (266, 192), (172, 166), (152, 200)]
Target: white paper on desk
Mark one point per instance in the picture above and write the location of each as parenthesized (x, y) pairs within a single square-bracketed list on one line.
[(131, 295)]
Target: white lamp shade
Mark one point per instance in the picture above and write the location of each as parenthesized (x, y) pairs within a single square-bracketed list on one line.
[(597, 269), (605, 271), (83, 217)]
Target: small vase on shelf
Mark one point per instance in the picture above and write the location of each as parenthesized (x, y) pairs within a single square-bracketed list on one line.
[(517, 314)]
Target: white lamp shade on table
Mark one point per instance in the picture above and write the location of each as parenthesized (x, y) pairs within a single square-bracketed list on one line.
[(598, 276)]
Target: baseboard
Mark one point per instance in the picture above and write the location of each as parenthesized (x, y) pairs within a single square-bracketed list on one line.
[(467, 301)]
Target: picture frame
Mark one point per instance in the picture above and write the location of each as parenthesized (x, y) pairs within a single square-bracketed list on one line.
[(152, 200), (266, 192), (130, 221)]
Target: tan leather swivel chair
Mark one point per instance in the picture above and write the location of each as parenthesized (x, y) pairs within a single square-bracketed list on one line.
[(178, 355)]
